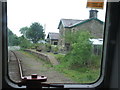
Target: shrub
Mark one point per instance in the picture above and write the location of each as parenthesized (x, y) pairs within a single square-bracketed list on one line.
[(81, 51), (48, 47), (59, 57)]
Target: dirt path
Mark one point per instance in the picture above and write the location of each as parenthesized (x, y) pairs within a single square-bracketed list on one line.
[(35, 66)]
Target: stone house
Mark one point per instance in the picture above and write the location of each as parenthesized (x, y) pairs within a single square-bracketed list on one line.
[(53, 38), (93, 25)]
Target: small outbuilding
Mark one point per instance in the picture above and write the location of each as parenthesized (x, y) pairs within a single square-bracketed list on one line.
[(53, 38)]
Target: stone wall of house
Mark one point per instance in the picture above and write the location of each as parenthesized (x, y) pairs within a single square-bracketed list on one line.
[(62, 33), (94, 27)]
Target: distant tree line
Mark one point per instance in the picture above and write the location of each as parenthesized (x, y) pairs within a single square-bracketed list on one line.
[(34, 33), (13, 39), (30, 35)]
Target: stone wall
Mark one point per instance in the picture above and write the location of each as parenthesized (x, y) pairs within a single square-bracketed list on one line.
[(94, 27), (44, 56), (40, 55)]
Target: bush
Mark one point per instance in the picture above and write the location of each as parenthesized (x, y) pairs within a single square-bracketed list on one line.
[(48, 47), (54, 49), (95, 61), (24, 43), (81, 51), (59, 57), (40, 47)]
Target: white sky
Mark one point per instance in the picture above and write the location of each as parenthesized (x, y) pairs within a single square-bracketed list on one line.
[(23, 13)]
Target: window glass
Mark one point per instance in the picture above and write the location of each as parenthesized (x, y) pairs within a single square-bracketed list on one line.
[(60, 39)]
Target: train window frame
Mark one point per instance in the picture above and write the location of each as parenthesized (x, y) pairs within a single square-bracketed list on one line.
[(6, 83)]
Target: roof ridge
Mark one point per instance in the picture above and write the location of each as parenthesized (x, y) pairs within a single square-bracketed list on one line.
[(77, 23), (70, 19), (86, 21)]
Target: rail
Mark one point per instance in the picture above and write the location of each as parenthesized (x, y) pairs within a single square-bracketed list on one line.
[(19, 65)]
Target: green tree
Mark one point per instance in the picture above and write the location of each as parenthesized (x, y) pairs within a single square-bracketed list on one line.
[(23, 31), (24, 43), (13, 40), (35, 32)]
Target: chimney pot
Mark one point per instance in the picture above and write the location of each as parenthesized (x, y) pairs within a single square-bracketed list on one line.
[(93, 13)]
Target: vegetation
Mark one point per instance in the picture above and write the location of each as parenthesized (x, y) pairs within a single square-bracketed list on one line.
[(24, 43), (23, 31), (79, 63), (79, 75), (81, 50), (48, 47), (13, 40), (34, 33)]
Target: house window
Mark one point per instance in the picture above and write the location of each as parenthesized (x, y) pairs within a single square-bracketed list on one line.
[(76, 63), (55, 43)]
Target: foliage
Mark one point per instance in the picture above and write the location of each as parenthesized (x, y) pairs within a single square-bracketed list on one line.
[(72, 37), (13, 40), (95, 61), (54, 49), (80, 54), (39, 46), (23, 31), (24, 43), (48, 47), (59, 57), (80, 64), (80, 75), (35, 32)]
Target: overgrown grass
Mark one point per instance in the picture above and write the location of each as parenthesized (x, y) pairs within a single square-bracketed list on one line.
[(77, 73), (80, 75)]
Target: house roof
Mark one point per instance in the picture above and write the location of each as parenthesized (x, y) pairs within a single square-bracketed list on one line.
[(52, 35), (69, 23)]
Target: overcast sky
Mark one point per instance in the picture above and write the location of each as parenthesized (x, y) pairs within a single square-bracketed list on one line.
[(48, 13)]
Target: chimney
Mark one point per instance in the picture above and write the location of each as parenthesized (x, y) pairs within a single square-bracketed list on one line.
[(93, 13)]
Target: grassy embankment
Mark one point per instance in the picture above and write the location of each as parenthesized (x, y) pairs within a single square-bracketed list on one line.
[(77, 74)]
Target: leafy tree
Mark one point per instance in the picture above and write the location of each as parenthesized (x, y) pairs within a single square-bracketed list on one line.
[(24, 43), (13, 40), (23, 31), (35, 32)]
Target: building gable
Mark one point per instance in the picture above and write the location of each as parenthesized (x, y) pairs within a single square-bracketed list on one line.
[(101, 22), (54, 36), (69, 23)]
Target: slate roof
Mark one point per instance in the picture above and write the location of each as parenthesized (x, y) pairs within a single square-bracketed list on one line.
[(69, 23), (52, 35)]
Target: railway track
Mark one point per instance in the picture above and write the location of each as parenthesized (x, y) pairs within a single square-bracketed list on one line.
[(16, 73), (14, 67)]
